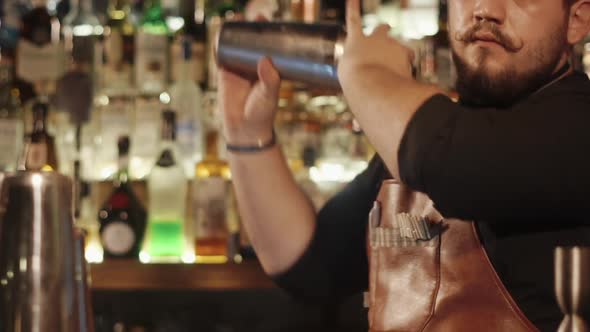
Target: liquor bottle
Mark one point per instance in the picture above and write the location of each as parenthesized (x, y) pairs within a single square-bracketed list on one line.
[(445, 69), (195, 29), (210, 194), (119, 47), (151, 52), (39, 50), (218, 13), (187, 101), (167, 189), (146, 121), (112, 119), (122, 218), (82, 32), (11, 118), (39, 152), (12, 11)]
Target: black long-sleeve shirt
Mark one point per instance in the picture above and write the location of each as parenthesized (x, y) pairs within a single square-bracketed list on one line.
[(522, 173)]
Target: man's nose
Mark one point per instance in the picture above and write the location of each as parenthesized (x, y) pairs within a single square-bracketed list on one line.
[(490, 10)]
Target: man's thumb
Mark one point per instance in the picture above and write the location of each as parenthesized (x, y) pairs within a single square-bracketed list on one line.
[(268, 76)]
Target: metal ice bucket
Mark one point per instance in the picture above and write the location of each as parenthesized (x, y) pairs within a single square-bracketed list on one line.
[(37, 274)]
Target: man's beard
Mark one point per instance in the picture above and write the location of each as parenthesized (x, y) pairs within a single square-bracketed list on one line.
[(478, 87)]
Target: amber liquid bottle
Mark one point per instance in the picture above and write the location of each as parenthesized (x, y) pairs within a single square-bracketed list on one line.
[(211, 194)]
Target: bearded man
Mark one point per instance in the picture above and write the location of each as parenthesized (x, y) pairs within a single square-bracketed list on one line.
[(509, 160)]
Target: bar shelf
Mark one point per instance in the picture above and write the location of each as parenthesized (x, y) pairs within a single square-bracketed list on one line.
[(131, 275)]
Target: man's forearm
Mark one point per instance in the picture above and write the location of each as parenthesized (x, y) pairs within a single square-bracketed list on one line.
[(277, 215), (383, 103)]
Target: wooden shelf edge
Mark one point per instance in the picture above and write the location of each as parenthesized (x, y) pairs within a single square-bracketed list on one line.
[(128, 275)]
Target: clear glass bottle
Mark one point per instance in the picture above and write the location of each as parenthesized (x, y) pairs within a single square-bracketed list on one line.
[(187, 100), (40, 54), (39, 152), (445, 68), (112, 119), (11, 118), (122, 217), (82, 32), (119, 48), (167, 190), (151, 51), (211, 192), (145, 122), (195, 29)]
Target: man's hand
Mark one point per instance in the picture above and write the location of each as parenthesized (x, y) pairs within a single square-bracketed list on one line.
[(375, 75), (249, 108), (377, 50)]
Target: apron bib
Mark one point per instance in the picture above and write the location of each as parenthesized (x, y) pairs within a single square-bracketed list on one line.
[(431, 274)]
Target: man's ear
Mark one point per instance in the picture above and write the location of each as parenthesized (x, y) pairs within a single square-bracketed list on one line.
[(579, 21)]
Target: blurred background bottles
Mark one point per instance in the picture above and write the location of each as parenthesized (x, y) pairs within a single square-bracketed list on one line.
[(167, 189), (118, 48), (11, 117), (39, 153), (151, 50), (85, 83), (122, 217), (40, 54), (211, 199), (187, 101)]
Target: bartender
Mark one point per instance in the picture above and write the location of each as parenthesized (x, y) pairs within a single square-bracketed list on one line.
[(512, 155)]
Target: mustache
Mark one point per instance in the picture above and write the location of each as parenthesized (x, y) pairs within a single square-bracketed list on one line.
[(470, 34)]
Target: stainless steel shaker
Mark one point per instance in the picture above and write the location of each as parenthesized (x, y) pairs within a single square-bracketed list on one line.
[(37, 279), (572, 286), (306, 53)]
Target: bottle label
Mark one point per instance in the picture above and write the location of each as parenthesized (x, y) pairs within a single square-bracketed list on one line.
[(210, 208), (152, 61), (36, 156), (118, 238), (9, 141), (114, 120), (119, 59), (147, 128), (114, 48), (39, 63)]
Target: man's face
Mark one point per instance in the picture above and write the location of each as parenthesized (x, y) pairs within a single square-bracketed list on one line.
[(505, 49)]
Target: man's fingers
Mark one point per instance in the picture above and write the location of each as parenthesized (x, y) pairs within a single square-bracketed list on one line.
[(354, 23)]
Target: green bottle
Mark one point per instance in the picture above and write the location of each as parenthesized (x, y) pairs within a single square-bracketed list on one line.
[(151, 70)]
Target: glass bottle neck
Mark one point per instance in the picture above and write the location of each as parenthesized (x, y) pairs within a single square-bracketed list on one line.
[(211, 147), (119, 9), (39, 123), (82, 6), (123, 172)]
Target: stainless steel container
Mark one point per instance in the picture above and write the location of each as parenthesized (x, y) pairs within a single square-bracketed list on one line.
[(83, 298), (306, 53), (572, 286), (37, 280)]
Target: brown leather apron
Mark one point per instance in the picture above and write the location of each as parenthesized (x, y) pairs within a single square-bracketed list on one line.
[(431, 274)]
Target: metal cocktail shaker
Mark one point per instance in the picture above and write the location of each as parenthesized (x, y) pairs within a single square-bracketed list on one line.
[(37, 276), (306, 53), (572, 287)]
